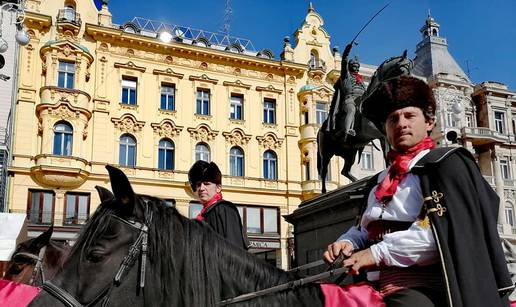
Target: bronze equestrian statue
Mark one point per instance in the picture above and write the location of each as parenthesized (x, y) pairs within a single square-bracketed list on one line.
[(330, 142)]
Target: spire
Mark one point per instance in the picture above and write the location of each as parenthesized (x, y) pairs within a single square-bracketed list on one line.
[(430, 28), (310, 7)]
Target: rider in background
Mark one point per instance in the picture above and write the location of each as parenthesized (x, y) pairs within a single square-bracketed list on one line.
[(348, 88), (206, 180), (427, 235)]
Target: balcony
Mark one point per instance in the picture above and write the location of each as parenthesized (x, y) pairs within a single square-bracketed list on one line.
[(68, 19), (316, 69), (483, 135), (60, 171), (309, 132), (53, 95)]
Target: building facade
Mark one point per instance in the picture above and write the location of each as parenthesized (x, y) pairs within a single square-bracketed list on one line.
[(92, 93)]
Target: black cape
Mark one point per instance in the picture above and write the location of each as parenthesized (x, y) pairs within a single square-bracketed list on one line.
[(474, 267), (224, 218)]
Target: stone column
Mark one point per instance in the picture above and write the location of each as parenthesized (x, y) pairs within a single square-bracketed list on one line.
[(499, 190)]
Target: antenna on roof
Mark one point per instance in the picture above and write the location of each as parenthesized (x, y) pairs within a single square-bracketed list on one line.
[(227, 17)]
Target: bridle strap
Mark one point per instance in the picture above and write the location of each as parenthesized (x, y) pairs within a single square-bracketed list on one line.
[(38, 267), (66, 298)]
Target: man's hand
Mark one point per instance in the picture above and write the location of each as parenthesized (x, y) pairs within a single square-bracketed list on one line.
[(361, 259), (333, 251), (347, 50)]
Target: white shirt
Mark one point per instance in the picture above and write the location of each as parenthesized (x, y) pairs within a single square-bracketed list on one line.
[(415, 245)]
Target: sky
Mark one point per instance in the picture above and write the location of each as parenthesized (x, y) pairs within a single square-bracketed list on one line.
[(481, 34)]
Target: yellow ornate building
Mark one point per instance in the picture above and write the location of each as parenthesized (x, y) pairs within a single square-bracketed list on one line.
[(92, 93)]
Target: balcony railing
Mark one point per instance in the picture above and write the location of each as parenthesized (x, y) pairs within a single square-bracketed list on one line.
[(483, 132), (51, 217), (68, 15), (490, 180), (317, 65)]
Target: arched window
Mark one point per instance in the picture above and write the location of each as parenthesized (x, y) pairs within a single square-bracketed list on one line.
[(202, 152), (63, 136), (509, 214), (166, 154), (314, 59), (236, 162), (270, 165), (127, 152)]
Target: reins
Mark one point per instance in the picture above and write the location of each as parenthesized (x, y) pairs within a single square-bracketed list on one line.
[(331, 271)]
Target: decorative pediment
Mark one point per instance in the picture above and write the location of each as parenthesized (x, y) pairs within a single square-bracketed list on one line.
[(269, 141), (168, 72), (269, 88), (204, 78), (130, 65), (237, 83), (66, 49), (128, 123), (166, 128), (237, 137), (203, 133)]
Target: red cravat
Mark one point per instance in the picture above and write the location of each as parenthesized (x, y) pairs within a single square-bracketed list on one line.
[(399, 167), (214, 199)]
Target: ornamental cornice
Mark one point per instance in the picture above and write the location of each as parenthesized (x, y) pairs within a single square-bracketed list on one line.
[(168, 72), (237, 83), (167, 128), (203, 78), (63, 110), (128, 123), (237, 137), (130, 65), (66, 48), (269, 141), (202, 133), (269, 88)]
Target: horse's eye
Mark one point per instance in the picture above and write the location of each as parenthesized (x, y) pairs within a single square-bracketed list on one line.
[(14, 269), (94, 256)]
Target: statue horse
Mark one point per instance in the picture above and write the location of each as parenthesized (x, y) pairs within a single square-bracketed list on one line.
[(346, 146), (36, 260), (136, 251)]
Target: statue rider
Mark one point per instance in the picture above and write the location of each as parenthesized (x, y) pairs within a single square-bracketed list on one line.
[(348, 90)]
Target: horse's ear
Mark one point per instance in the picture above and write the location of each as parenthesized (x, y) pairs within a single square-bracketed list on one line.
[(104, 194), (120, 185), (43, 239), (405, 53)]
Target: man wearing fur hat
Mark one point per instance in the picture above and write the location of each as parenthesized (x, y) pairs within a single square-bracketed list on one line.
[(427, 234), (206, 180), (348, 88)]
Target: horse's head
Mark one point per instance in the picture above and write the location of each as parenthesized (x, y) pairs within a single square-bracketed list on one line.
[(36, 259), (98, 265)]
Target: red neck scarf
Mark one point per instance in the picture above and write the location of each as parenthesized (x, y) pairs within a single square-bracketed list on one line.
[(214, 199), (358, 77), (399, 167)]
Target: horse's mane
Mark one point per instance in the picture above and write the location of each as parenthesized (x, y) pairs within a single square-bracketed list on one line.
[(189, 262)]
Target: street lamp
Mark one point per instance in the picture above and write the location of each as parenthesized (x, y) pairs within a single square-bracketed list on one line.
[(17, 14)]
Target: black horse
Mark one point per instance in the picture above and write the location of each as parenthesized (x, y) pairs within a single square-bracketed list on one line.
[(36, 260), (133, 239), (347, 147)]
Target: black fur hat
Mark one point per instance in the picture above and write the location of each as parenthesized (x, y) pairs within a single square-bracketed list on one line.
[(395, 94), (204, 171)]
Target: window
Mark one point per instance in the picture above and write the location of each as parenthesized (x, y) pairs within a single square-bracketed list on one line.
[(203, 101), (77, 208), (236, 104), (450, 120), (499, 121), (269, 111), (307, 170), (194, 209), (270, 165), (306, 119), (166, 155), (41, 207), (128, 91), (260, 219), (168, 93), (236, 162), (63, 136), (320, 112), (505, 169), (367, 160), (202, 152), (469, 120), (69, 13), (65, 74), (509, 214), (127, 153)]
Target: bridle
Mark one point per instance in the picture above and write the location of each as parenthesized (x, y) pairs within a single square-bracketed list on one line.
[(38, 268), (138, 250)]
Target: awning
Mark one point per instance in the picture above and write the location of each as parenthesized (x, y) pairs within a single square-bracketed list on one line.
[(13, 230)]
